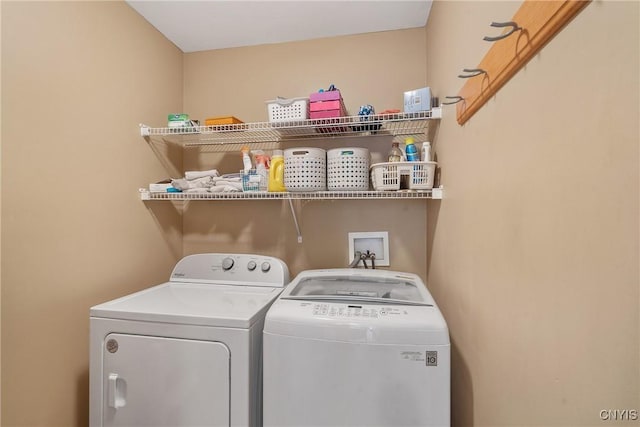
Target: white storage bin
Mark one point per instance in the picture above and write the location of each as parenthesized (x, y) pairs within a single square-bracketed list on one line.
[(388, 176), (348, 169), (305, 169), (283, 110)]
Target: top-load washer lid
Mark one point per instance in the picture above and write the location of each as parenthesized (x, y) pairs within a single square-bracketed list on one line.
[(382, 289), (224, 290), (358, 306), (347, 284)]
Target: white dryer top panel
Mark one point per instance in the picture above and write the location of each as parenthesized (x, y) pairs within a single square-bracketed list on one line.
[(224, 290), (192, 304)]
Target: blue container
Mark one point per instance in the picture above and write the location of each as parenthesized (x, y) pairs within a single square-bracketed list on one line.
[(411, 151)]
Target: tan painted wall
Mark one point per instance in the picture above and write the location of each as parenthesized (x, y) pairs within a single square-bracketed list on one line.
[(0, 229), (535, 246), (77, 78), (532, 255), (369, 69)]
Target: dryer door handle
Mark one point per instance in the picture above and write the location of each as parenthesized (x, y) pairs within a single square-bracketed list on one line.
[(115, 391)]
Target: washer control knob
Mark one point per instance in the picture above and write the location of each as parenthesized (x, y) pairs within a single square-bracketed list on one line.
[(227, 263), (251, 265), (265, 266)]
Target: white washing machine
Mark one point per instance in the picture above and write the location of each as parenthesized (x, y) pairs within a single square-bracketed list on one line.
[(347, 347), (186, 352)]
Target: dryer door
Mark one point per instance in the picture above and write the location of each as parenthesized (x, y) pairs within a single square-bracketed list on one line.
[(157, 381)]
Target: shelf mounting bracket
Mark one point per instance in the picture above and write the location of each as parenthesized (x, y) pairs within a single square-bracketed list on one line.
[(295, 220)]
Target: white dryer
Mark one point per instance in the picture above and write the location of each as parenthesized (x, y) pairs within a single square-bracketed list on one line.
[(186, 352), (347, 347)]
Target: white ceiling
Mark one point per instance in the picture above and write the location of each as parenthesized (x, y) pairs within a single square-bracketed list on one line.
[(217, 24)]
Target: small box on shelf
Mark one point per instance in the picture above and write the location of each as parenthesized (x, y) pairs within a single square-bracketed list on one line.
[(330, 95), (325, 105), (417, 100), (227, 120)]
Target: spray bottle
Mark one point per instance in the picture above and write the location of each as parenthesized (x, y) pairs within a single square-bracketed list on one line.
[(262, 168), (246, 159)]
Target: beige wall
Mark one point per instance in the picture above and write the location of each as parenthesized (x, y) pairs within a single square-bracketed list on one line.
[(535, 246), (0, 230), (369, 69), (532, 255), (77, 78)]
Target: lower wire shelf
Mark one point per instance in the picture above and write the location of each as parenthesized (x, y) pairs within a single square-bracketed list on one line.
[(435, 193)]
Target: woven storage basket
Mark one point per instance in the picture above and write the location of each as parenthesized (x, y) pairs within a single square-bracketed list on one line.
[(305, 169), (387, 176), (348, 169)]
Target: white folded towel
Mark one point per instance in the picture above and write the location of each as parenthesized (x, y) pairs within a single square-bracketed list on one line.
[(204, 182), (231, 189), (200, 174), (225, 183), (227, 179), (180, 184), (224, 189), (184, 184)]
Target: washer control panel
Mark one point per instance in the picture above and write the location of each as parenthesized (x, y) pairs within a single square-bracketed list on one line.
[(355, 310)]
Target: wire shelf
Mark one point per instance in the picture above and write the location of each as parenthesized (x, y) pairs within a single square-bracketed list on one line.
[(396, 124), (435, 193)]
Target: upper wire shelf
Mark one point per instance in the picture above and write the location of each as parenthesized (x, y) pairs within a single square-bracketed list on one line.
[(398, 125)]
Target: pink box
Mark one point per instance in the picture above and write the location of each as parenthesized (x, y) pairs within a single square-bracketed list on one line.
[(325, 96), (325, 114), (324, 105)]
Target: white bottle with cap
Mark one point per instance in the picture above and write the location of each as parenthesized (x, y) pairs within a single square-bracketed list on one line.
[(426, 152)]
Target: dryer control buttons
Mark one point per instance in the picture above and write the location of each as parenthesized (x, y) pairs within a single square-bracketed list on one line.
[(227, 263), (265, 266), (251, 265)]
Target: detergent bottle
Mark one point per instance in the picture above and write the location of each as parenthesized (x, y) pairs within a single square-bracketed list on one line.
[(276, 172)]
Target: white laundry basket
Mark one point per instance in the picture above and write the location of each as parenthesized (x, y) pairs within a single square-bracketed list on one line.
[(305, 169), (283, 110), (388, 175), (348, 169)]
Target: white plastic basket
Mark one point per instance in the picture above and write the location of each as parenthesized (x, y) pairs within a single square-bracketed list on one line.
[(305, 169), (348, 169), (283, 110), (253, 180), (403, 175)]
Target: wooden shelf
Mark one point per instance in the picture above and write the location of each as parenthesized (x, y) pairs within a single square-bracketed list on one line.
[(539, 22)]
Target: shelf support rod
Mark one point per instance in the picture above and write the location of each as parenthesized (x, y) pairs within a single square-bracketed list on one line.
[(295, 220)]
